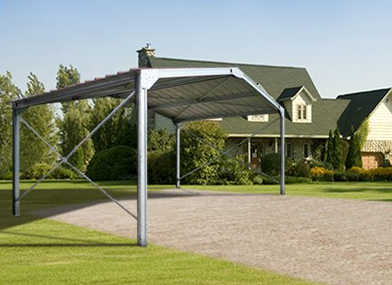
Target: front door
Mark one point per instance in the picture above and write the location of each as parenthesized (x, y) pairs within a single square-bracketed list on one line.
[(255, 155)]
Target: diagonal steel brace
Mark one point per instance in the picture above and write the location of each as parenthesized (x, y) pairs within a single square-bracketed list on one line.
[(65, 159)]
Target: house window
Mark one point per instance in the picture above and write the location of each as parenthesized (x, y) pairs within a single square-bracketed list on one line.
[(306, 150), (289, 150), (302, 112), (258, 118)]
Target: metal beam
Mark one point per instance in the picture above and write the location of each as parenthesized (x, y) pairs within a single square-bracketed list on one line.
[(86, 90), (15, 159), (178, 152), (141, 102), (282, 151)]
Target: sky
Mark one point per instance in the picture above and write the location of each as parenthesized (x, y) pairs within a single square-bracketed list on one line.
[(345, 45)]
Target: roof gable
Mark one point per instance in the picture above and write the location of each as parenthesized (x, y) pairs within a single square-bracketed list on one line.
[(292, 93), (361, 106)]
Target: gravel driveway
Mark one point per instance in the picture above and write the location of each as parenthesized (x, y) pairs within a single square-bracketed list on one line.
[(326, 240)]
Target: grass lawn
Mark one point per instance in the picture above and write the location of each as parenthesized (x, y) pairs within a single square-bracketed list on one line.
[(41, 251), (379, 191)]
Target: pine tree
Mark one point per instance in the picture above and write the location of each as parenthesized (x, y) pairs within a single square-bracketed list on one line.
[(329, 148), (354, 151), (337, 160)]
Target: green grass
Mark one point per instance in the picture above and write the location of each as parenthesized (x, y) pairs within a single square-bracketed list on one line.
[(379, 191), (41, 251)]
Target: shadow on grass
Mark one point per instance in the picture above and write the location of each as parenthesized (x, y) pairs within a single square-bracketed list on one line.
[(71, 242), (67, 245), (359, 189)]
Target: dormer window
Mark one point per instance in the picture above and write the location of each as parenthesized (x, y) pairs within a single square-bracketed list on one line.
[(298, 103), (302, 112)]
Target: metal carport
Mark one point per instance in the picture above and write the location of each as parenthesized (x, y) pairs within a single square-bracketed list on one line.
[(182, 94)]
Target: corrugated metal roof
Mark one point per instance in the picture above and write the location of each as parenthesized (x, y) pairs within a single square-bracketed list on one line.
[(182, 94)]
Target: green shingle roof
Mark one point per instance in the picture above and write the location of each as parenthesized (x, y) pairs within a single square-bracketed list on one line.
[(361, 106)]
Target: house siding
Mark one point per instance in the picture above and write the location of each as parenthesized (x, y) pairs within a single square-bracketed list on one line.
[(380, 122)]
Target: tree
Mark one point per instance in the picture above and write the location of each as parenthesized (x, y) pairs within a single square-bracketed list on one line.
[(42, 118), (195, 153), (67, 76), (110, 133), (362, 133), (74, 126), (354, 151), (8, 92), (160, 139), (337, 161), (73, 129), (334, 153), (328, 148)]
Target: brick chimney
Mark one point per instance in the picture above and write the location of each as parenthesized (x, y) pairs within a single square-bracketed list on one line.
[(144, 53)]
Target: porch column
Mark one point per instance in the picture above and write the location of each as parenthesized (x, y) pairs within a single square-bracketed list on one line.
[(282, 151), (249, 151), (178, 150), (141, 102), (15, 159)]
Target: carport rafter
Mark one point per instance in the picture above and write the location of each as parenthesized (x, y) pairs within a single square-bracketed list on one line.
[(142, 80)]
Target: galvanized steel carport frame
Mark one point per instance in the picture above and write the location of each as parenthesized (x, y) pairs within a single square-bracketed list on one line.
[(209, 93)]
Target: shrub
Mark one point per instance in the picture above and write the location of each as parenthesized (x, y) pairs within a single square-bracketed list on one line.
[(269, 181), (6, 175), (113, 164), (321, 174), (297, 180), (161, 167), (160, 139), (340, 176), (353, 176), (233, 172), (270, 163), (39, 170), (257, 179), (288, 180), (324, 164), (381, 174), (363, 173), (298, 169)]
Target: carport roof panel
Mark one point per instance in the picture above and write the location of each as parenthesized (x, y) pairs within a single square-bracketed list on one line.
[(182, 94)]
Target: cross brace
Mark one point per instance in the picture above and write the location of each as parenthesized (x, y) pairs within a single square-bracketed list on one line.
[(65, 159)]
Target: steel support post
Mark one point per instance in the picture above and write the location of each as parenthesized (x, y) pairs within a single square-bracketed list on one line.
[(15, 159), (178, 150), (141, 102), (282, 151)]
